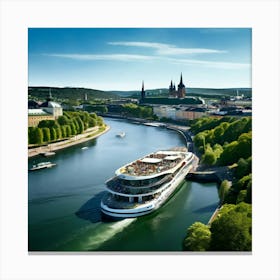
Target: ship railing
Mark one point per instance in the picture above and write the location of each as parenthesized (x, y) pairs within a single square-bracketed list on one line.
[(116, 187)]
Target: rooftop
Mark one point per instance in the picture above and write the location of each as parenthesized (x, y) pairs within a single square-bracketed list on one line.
[(36, 112)]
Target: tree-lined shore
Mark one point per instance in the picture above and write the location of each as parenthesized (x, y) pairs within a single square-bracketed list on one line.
[(225, 142)]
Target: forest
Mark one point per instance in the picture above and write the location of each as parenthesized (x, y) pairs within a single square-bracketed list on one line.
[(225, 141)]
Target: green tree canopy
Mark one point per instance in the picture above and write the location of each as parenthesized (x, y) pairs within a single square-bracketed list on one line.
[(232, 230), (198, 238)]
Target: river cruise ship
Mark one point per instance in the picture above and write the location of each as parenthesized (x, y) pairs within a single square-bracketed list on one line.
[(142, 186)]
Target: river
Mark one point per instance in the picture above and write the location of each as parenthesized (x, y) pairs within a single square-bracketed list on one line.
[(64, 201)]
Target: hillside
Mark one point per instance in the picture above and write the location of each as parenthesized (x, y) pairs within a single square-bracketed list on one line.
[(69, 93)]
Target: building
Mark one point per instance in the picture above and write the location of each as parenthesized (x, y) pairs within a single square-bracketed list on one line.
[(37, 115), (180, 93), (48, 110)]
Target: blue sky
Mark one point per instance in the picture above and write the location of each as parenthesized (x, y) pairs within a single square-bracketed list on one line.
[(120, 58)]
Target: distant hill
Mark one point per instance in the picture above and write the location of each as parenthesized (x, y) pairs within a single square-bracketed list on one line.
[(70, 93), (211, 92)]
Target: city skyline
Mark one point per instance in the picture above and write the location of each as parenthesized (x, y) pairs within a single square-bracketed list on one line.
[(121, 58)]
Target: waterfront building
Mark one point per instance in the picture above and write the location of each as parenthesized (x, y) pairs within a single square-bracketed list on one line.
[(191, 113), (165, 112), (48, 110)]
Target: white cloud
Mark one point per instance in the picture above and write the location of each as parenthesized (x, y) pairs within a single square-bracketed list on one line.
[(110, 57), (141, 58), (166, 49), (211, 64)]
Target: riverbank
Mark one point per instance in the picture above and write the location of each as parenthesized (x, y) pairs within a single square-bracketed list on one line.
[(89, 134)]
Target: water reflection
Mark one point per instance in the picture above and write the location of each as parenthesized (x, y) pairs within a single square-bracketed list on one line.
[(91, 209)]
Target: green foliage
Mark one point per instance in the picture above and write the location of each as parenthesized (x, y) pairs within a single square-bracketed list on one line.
[(133, 110), (244, 167), (63, 131), (232, 230), (38, 136), (217, 149), (31, 135), (100, 121), (237, 149), (70, 94), (48, 123), (243, 183), (198, 238), (209, 123), (209, 158), (68, 131), (63, 120), (234, 196), (53, 134), (199, 139), (58, 133), (71, 123), (241, 196), (223, 190), (97, 108), (92, 122), (46, 134)]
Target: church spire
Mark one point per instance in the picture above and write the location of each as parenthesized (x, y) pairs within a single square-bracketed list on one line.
[(143, 91), (181, 80)]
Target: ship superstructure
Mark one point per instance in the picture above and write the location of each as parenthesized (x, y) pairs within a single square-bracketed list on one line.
[(143, 185)]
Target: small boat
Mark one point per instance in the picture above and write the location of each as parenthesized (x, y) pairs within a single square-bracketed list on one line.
[(84, 148), (121, 134), (48, 154), (42, 165)]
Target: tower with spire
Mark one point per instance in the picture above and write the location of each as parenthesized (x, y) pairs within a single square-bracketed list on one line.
[(172, 90), (143, 94), (181, 88)]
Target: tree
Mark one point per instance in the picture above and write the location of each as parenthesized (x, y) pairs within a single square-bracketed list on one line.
[(199, 139), (63, 131), (46, 134), (198, 238), (38, 136), (31, 135), (209, 158), (68, 131), (223, 190), (73, 128), (63, 120), (92, 122), (58, 133), (53, 134), (47, 123), (241, 196), (232, 230), (242, 168)]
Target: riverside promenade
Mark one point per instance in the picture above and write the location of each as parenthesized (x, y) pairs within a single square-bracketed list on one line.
[(89, 134)]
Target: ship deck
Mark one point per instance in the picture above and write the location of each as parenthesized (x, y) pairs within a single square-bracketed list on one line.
[(155, 163)]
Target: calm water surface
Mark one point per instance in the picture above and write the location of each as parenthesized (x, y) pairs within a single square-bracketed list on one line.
[(64, 201)]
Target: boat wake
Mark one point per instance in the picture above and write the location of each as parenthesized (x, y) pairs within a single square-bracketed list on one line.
[(105, 231)]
